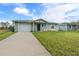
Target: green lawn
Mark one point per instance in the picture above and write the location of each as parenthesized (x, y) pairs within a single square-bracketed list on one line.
[(5, 34), (60, 43)]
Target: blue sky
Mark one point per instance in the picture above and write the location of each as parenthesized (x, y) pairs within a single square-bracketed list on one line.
[(52, 12), (12, 11)]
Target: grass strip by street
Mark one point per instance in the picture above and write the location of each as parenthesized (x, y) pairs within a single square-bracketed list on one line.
[(5, 35)]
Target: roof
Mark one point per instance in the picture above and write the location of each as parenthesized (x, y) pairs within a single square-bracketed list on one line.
[(53, 23), (22, 20), (41, 20), (38, 21), (71, 23)]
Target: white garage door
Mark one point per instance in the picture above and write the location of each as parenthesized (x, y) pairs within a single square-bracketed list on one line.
[(24, 27)]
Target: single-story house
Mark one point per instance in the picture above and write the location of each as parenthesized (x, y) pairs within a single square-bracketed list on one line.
[(40, 25), (33, 25)]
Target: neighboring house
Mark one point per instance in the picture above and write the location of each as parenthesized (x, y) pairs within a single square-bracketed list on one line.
[(41, 25), (4, 24)]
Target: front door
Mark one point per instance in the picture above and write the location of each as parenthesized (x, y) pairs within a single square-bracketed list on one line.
[(38, 27)]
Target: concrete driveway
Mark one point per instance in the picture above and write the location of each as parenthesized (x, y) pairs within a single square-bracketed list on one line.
[(22, 44)]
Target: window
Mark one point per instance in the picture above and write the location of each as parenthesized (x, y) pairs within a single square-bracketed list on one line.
[(78, 26), (52, 27), (43, 25)]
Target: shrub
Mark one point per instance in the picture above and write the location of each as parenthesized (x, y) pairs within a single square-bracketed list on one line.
[(2, 28), (11, 28)]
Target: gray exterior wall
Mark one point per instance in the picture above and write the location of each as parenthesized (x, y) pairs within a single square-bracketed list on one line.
[(53, 27), (63, 27), (46, 27), (15, 26), (35, 27)]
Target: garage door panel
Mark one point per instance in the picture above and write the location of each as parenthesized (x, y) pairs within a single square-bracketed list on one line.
[(24, 27)]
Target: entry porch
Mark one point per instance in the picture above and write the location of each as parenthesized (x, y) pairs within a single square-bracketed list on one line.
[(39, 25)]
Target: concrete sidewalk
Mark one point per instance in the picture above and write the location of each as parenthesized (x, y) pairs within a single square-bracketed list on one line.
[(22, 44)]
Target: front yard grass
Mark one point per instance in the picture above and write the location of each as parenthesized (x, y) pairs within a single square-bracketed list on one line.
[(5, 34), (60, 43)]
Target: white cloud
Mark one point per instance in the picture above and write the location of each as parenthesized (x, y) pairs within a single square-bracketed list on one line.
[(23, 11), (26, 12), (56, 13)]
